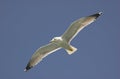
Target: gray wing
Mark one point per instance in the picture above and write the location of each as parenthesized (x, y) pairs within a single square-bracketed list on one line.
[(40, 54), (78, 25)]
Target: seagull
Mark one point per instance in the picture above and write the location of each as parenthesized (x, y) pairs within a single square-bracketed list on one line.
[(63, 41)]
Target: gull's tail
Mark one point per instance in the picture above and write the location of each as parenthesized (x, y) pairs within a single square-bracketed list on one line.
[(71, 50)]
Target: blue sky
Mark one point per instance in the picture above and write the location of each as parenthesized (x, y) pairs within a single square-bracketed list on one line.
[(25, 25)]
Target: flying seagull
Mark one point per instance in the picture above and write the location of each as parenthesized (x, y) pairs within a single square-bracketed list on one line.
[(63, 41)]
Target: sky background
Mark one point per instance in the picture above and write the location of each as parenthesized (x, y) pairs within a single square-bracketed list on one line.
[(25, 25)]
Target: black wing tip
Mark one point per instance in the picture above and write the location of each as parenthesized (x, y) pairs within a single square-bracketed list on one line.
[(100, 13), (96, 15), (27, 68)]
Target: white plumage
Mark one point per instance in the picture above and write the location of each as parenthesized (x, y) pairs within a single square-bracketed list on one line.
[(63, 41)]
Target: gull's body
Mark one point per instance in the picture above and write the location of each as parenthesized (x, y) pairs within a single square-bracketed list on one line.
[(63, 41)]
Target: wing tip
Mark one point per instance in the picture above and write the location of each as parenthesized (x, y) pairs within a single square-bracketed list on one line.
[(100, 13), (96, 15), (27, 68)]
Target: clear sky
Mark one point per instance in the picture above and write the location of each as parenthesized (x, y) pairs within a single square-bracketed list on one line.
[(25, 25)]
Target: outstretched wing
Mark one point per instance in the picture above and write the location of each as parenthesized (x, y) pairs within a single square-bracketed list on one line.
[(78, 25), (40, 54)]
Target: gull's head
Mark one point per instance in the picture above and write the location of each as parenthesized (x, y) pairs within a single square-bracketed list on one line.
[(56, 39)]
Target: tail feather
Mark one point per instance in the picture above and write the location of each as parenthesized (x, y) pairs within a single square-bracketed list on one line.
[(71, 50)]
